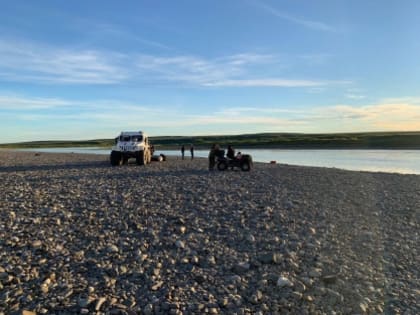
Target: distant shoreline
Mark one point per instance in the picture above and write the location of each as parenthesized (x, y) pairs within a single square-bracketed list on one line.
[(347, 141), (248, 147)]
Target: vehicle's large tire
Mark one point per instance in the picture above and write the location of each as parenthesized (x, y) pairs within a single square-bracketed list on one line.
[(222, 165), (246, 163), (140, 158), (245, 166), (116, 158)]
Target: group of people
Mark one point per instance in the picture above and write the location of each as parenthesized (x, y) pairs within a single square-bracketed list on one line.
[(214, 152), (191, 151)]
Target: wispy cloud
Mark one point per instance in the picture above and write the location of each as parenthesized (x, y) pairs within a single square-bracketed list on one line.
[(103, 118), (196, 70), (107, 31), (310, 24), (30, 61), (383, 116), (266, 83), (355, 96), (27, 61), (229, 71), (19, 103)]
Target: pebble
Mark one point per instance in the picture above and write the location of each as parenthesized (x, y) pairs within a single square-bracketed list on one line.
[(284, 282), (79, 236)]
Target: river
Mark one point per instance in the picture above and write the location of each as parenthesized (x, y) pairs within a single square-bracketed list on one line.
[(395, 161)]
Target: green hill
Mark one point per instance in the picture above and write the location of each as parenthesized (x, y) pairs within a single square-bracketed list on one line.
[(373, 140)]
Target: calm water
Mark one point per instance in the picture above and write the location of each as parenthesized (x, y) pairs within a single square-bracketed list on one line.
[(400, 161)]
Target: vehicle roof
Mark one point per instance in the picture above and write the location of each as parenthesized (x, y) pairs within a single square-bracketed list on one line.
[(132, 133)]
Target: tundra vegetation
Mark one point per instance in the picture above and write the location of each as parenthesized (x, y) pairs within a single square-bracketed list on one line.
[(373, 140)]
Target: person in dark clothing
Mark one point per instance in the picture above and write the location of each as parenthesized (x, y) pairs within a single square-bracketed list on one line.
[(182, 151), (212, 157), (230, 152), (192, 151)]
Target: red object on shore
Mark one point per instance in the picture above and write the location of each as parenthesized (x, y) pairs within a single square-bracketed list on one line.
[(272, 162)]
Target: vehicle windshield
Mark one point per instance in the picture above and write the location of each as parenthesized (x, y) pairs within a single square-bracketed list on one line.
[(138, 138)]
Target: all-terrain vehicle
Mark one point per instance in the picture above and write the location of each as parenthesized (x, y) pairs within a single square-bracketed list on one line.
[(242, 161), (131, 144)]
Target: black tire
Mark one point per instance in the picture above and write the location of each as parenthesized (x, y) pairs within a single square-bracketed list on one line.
[(116, 158), (246, 166), (222, 165), (140, 158)]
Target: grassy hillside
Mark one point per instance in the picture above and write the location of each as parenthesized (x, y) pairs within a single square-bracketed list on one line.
[(375, 140)]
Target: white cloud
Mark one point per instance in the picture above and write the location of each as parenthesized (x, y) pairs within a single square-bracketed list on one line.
[(355, 96), (229, 71), (30, 61), (383, 116), (27, 61), (116, 33), (310, 24), (104, 118), (9, 102), (266, 83)]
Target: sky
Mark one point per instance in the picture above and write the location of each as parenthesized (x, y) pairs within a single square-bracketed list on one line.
[(79, 70)]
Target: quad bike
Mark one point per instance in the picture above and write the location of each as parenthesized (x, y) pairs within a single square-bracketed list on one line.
[(244, 162)]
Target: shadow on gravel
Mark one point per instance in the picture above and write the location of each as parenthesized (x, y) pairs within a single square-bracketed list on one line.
[(105, 165), (54, 167)]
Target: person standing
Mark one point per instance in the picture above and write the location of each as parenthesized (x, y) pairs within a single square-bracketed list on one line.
[(230, 152), (182, 151), (212, 157), (192, 151)]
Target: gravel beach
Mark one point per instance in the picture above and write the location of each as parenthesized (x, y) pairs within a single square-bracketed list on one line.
[(78, 236)]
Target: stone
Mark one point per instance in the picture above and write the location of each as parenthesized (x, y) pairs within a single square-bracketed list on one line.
[(180, 244), (284, 282), (112, 248), (99, 303), (241, 267), (148, 309)]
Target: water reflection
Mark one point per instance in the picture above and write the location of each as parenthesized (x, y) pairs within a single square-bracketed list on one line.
[(399, 161)]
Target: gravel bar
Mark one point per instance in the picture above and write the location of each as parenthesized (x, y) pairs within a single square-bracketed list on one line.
[(78, 236)]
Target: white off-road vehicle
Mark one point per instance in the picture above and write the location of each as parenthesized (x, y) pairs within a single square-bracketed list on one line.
[(131, 144)]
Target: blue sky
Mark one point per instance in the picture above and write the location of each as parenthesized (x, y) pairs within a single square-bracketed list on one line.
[(89, 69)]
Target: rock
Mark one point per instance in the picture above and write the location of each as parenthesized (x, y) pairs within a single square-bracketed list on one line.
[(284, 282), (329, 279), (363, 308), (99, 303), (157, 286), (112, 248), (270, 258), (83, 301), (332, 297), (36, 244), (250, 238), (241, 267), (315, 273), (148, 309), (82, 231), (256, 297)]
